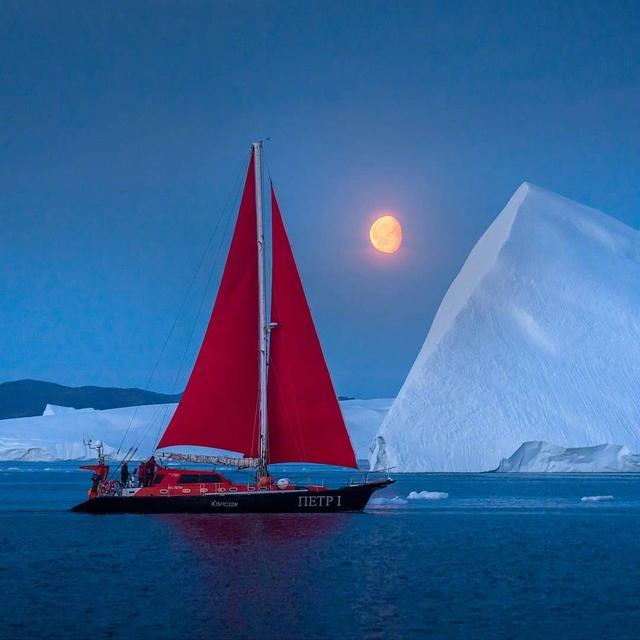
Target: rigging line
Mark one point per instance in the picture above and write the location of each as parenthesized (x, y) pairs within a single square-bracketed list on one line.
[(134, 450), (227, 217), (204, 297), (136, 445), (160, 425), (233, 190)]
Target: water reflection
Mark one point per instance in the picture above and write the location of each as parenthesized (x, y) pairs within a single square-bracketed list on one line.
[(211, 531), (256, 571)]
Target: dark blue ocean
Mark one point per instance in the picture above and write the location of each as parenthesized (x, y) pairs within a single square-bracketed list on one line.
[(503, 556)]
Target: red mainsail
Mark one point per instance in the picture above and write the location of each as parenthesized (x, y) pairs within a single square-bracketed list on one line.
[(219, 408), (305, 421)]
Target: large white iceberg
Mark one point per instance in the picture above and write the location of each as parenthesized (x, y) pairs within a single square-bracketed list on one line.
[(538, 338), (60, 433)]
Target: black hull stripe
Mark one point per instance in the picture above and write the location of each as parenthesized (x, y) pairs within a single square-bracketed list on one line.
[(352, 498)]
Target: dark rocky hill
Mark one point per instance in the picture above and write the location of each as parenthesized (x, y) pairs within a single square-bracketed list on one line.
[(23, 398)]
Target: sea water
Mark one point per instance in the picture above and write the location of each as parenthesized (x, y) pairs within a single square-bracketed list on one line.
[(467, 556)]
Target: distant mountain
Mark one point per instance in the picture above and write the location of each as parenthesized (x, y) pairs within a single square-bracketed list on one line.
[(23, 398)]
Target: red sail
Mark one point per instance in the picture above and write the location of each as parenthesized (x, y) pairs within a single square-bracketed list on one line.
[(219, 405), (305, 421)]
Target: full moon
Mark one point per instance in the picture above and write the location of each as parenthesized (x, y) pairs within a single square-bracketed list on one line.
[(386, 234)]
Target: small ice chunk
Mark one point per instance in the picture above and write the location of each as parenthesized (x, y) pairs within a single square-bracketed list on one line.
[(427, 495), (595, 498), (395, 500)]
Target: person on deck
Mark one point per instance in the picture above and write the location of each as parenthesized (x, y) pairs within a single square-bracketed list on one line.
[(95, 483), (151, 469), (142, 471), (124, 474)]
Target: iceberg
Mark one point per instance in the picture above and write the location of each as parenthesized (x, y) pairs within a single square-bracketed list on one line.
[(54, 410), (537, 339), (427, 495), (395, 501), (363, 417), (534, 457), (59, 434)]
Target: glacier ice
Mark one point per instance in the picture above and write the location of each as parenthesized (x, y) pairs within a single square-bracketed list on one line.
[(534, 457), (55, 409), (59, 433), (363, 417), (537, 339)]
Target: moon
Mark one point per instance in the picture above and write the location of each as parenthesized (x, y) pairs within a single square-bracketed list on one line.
[(386, 234)]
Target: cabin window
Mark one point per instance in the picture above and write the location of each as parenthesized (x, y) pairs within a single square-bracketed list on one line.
[(198, 478), (158, 479), (188, 478)]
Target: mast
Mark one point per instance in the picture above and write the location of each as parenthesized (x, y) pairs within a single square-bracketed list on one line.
[(262, 304)]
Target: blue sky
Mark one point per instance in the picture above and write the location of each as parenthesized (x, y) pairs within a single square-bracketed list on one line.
[(124, 127)]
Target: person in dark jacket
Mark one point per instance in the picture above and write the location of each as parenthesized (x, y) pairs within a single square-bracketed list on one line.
[(142, 472), (151, 467), (124, 474), (95, 483)]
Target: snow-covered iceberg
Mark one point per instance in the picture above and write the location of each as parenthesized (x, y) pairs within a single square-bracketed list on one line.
[(55, 410), (538, 338), (535, 457), (60, 432)]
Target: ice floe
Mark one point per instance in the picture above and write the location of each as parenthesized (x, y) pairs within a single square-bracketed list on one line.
[(397, 500), (427, 495)]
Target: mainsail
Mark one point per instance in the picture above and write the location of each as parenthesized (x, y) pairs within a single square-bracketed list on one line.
[(305, 421), (219, 408)]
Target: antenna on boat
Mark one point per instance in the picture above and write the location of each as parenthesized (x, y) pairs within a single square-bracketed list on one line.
[(263, 346), (97, 446)]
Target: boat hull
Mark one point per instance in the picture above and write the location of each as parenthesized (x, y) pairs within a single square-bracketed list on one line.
[(350, 498)]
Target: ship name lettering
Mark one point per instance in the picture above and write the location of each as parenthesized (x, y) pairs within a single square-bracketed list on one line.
[(319, 501)]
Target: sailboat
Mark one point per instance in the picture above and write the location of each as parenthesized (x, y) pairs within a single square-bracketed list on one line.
[(259, 387)]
